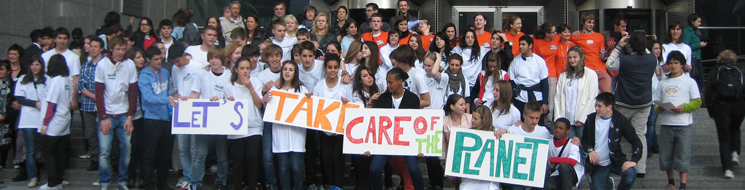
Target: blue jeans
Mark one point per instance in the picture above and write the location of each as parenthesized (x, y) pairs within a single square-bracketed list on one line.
[(184, 147), (599, 179), (270, 176), (104, 141), (378, 163), (221, 149), (651, 130), (30, 136), (290, 164), (575, 132), (199, 149)]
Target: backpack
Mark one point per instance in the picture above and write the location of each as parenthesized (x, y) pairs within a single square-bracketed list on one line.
[(729, 85)]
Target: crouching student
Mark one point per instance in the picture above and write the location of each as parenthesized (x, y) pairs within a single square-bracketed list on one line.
[(154, 83), (55, 130), (246, 148), (565, 165), (675, 124)]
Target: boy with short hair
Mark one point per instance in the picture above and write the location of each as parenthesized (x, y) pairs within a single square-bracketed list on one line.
[(61, 39), (238, 35), (199, 52), (403, 58), (386, 50), (566, 169), (528, 72), (252, 52), (376, 35), (675, 124), (280, 31), (272, 54), (166, 28)]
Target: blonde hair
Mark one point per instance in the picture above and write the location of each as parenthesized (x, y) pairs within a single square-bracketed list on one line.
[(727, 54), (315, 30), (230, 49), (433, 57), (486, 118), (292, 30), (216, 51), (352, 51)]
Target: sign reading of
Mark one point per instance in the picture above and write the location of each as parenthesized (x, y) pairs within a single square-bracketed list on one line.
[(511, 159), (405, 132), (205, 117), (315, 113)]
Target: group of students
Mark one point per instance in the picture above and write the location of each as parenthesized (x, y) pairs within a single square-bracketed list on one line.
[(557, 84)]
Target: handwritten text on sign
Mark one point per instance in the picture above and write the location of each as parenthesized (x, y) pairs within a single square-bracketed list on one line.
[(512, 159), (204, 117), (313, 113), (393, 132)]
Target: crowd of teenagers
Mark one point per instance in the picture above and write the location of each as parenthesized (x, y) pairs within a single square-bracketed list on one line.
[(582, 89)]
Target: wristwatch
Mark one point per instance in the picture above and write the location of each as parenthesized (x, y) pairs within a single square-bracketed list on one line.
[(590, 150)]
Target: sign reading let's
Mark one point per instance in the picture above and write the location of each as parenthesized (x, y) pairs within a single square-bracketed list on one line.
[(404, 132), (512, 159), (205, 117)]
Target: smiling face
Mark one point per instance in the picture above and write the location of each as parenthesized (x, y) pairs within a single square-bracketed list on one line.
[(236, 54), (403, 26), (215, 63), (403, 6), (310, 15), (332, 69), (14, 56), (517, 26), (566, 34), (459, 108), (454, 66), (251, 23), (274, 60), (656, 50), (365, 51), (676, 33), (588, 25), (479, 21), (573, 58), (279, 10), (496, 92), (413, 43), (551, 34)]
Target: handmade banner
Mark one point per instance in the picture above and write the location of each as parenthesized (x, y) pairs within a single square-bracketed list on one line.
[(512, 159), (315, 113), (205, 117), (404, 132)]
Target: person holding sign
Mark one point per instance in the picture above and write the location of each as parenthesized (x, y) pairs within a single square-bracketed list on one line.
[(272, 54), (505, 115), (602, 142), (456, 117), (288, 142), (396, 97), (675, 123), (565, 165), (211, 85), (363, 89), (481, 120)]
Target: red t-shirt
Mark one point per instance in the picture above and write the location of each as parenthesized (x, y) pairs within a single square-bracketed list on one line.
[(548, 51), (427, 40), (147, 42), (381, 39), (561, 56), (592, 44), (484, 39), (514, 41)]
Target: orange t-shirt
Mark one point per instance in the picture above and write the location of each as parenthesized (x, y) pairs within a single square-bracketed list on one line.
[(548, 51), (404, 40), (427, 40), (381, 39), (612, 38), (561, 56), (514, 41), (484, 39), (592, 44)]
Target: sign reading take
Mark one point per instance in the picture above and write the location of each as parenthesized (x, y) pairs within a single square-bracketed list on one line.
[(511, 159), (315, 113), (205, 117), (406, 132)]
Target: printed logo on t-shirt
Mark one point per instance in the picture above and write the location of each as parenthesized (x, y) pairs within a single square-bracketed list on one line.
[(111, 76), (67, 87), (379, 42), (553, 47), (590, 42), (159, 87), (487, 45), (218, 88), (187, 77)]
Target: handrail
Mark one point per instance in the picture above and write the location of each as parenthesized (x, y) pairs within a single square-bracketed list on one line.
[(723, 27)]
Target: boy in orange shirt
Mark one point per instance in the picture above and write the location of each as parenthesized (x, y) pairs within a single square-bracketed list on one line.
[(377, 36), (594, 46)]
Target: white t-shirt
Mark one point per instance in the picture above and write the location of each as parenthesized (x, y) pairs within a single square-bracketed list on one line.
[(60, 93), (471, 68), (239, 91), (437, 87), (539, 132), (210, 85), (602, 149), (385, 57), (197, 54), (528, 72), (682, 48), (267, 75), (678, 90), (116, 79), (73, 61), (286, 45), (571, 151), (183, 77), (488, 96), (396, 101), (310, 77), (507, 120), (258, 69), (30, 115), (287, 138), (416, 83), (351, 68), (475, 184), (572, 93)]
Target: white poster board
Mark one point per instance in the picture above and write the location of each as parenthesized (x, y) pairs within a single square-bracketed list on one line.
[(205, 117), (405, 132), (315, 113)]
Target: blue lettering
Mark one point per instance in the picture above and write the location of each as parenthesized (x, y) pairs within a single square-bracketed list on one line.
[(176, 123), (238, 126), (204, 105)]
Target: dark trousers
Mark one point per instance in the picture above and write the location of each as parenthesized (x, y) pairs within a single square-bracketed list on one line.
[(412, 164), (157, 142), (246, 161), (137, 145), (54, 151), (565, 181), (332, 159), (434, 171), (311, 158), (361, 166), (728, 117)]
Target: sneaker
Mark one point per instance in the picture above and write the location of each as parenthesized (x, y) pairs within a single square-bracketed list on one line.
[(122, 188), (333, 187), (735, 159), (180, 182), (670, 187), (85, 156), (185, 186), (728, 174), (33, 182), (65, 183), (213, 169), (312, 187), (96, 183), (612, 182), (104, 188)]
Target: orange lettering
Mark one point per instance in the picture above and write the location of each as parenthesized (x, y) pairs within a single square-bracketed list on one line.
[(340, 124), (321, 115), (282, 96), (308, 103)]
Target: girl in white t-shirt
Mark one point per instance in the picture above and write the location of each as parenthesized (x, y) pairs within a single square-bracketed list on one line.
[(505, 115), (482, 120), (30, 93), (331, 144), (246, 148), (288, 142), (353, 58), (437, 81), (55, 129), (576, 90), (472, 55), (211, 85)]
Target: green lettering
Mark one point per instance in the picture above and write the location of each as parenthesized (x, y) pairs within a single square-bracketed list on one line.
[(436, 141), (467, 165), (504, 159), (420, 141), (488, 148), (520, 160), (459, 149), (535, 142)]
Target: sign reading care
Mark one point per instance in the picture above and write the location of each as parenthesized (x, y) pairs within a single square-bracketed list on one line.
[(315, 113), (512, 159), (405, 132), (205, 117)]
